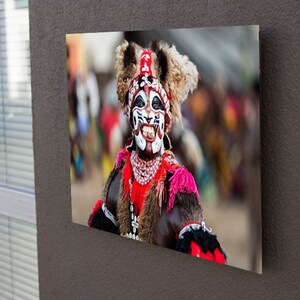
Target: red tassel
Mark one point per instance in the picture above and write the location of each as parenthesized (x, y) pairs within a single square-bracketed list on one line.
[(138, 195), (217, 256), (127, 175)]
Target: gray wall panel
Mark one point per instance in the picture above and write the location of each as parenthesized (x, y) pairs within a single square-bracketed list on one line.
[(76, 262)]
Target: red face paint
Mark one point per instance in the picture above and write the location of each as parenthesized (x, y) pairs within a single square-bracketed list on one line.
[(147, 90), (145, 63)]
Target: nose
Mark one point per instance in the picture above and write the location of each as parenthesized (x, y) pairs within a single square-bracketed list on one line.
[(148, 120), (148, 111), (148, 108)]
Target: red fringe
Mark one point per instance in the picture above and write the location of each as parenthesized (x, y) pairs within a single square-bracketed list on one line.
[(217, 256), (137, 192), (181, 181), (138, 196), (127, 175), (96, 208)]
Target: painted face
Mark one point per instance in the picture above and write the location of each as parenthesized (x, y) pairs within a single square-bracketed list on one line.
[(148, 121)]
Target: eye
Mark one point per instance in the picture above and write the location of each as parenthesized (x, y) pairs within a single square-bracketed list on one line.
[(139, 102), (157, 104)]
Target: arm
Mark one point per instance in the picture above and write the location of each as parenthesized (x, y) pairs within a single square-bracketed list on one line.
[(186, 221), (194, 237), (184, 230), (103, 215)]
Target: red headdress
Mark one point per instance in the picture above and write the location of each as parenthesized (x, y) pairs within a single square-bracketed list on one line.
[(160, 68)]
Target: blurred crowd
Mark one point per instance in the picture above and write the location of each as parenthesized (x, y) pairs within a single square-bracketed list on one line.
[(97, 127)]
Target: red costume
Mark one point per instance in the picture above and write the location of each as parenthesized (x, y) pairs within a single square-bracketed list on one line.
[(148, 195)]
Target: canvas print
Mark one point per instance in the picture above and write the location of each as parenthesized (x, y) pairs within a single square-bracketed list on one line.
[(164, 139)]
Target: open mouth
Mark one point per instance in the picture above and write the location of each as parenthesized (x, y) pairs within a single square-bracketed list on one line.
[(148, 132)]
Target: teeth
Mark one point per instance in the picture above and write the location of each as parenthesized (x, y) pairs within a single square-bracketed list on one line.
[(147, 129)]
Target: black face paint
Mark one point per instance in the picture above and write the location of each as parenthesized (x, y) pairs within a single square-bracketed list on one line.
[(157, 104), (139, 102)]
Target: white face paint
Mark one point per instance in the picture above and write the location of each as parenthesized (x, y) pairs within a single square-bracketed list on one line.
[(148, 121)]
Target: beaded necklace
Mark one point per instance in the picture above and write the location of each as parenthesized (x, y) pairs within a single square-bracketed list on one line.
[(143, 170)]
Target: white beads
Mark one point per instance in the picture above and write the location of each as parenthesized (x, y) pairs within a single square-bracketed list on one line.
[(143, 170), (134, 224), (132, 236)]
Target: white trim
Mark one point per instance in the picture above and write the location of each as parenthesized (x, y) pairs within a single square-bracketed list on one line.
[(17, 205), (109, 215), (187, 228)]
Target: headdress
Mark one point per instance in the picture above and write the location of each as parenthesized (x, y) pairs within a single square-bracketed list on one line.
[(160, 68)]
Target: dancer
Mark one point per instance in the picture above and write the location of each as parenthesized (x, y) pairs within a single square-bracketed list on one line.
[(148, 195)]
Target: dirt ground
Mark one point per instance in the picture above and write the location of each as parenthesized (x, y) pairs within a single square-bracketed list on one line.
[(230, 220)]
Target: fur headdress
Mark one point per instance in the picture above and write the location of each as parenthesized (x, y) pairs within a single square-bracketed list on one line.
[(160, 67)]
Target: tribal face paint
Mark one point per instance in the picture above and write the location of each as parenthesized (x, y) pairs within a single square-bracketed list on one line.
[(148, 121)]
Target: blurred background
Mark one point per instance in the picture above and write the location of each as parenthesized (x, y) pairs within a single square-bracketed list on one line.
[(218, 141)]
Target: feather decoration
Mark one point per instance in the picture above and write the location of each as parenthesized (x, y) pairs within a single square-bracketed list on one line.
[(127, 176), (121, 155), (181, 181), (159, 193)]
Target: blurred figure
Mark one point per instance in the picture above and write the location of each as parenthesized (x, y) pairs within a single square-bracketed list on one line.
[(76, 152), (93, 101), (84, 103), (83, 117), (233, 115), (187, 149), (206, 108), (252, 165), (110, 123)]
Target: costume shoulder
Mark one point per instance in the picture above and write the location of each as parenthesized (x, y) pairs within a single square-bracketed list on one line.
[(180, 181), (183, 198)]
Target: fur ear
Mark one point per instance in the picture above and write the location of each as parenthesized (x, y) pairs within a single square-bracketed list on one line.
[(126, 68), (129, 56), (182, 79), (177, 73), (162, 64)]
